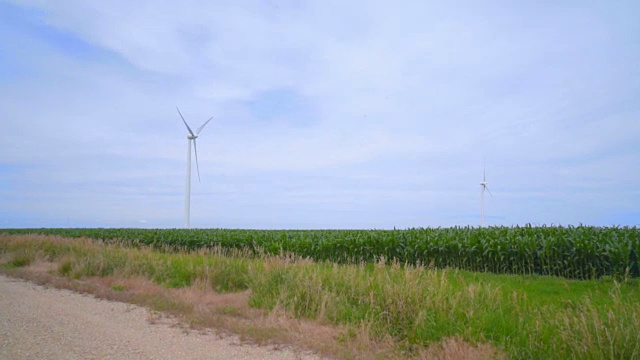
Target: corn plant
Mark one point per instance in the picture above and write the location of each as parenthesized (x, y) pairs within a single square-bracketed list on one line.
[(580, 252)]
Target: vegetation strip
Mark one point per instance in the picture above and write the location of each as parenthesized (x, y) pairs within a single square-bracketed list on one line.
[(582, 252), (402, 309)]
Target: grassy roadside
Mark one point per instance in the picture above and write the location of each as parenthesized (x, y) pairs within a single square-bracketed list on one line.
[(357, 311)]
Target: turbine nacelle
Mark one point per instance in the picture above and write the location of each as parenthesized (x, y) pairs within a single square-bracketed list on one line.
[(192, 137), (485, 187)]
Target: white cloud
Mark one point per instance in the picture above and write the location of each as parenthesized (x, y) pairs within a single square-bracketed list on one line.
[(403, 96)]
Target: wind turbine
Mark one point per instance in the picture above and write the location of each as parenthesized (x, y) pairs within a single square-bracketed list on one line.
[(192, 138), (483, 184)]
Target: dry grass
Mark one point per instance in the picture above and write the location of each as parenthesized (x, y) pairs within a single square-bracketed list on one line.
[(455, 348), (199, 309)]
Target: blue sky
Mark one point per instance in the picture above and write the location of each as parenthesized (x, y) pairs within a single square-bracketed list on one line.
[(331, 114)]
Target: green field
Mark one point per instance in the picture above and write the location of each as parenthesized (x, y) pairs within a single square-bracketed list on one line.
[(397, 310), (581, 252)]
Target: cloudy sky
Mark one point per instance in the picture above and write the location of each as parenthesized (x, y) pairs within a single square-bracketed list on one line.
[(327, 114)]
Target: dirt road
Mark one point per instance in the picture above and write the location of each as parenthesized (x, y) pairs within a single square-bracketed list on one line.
[(44, 323)]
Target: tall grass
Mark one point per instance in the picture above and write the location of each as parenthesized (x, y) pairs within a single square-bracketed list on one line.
[(411, 306)]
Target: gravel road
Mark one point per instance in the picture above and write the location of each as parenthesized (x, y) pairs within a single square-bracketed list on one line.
[(44, 323)]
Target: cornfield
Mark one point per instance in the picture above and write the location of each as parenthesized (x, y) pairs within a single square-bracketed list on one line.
[(581, 252)]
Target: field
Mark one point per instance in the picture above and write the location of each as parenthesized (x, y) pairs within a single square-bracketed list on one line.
[(581, 252), (391, 294)]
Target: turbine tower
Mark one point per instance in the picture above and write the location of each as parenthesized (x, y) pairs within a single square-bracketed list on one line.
[(191, 138), (483, 184)]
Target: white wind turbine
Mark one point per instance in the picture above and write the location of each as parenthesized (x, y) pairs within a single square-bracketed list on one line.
[(192, 138), (483, 184)]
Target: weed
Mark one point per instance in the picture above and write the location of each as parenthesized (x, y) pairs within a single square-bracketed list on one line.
[(20, 260)]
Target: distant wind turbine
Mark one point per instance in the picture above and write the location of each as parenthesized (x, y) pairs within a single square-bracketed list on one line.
[(192, 138), (483, 184)]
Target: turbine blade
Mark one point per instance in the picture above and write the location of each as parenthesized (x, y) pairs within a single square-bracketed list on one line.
[(203, 125), (486, 187), (484, 170), (185, 122), (195, 150)]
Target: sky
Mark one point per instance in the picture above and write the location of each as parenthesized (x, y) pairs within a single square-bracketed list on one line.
[(327, 114)]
